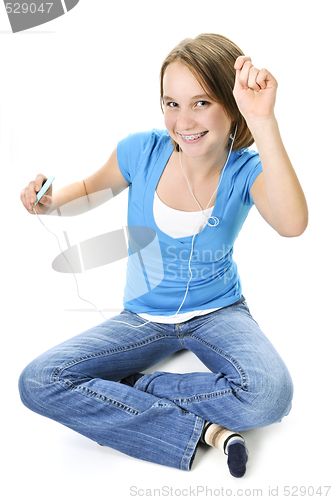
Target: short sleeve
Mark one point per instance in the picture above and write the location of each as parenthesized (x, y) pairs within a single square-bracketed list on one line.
[(134, 151), (251, 167)]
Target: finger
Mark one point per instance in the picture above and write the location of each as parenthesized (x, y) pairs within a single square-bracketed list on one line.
[(30, 194), (45, 200), (243, 74), (28, 206), (40, 178), (34, 187), (24, 199), (264, 77), (252, 79), (240, 61)]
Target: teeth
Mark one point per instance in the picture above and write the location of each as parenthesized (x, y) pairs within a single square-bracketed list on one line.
[(192, 137)]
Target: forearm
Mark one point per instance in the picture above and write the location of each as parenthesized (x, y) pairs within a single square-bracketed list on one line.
[(74, 199), (70, 200), (286, 199)]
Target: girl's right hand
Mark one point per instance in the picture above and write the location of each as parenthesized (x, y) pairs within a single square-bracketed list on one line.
[(29, 196)]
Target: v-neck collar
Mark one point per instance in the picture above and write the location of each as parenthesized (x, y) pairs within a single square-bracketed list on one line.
[(157, 169)]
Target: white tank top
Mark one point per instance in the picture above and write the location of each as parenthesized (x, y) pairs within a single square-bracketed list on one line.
[(177, 224)]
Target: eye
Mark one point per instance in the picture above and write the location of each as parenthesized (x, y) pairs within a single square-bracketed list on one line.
[(200, 104), (171, 104)]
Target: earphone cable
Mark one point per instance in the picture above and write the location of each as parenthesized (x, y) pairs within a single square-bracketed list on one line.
[(108, 319), (204, 215), (68, 264), (206, 219), (216, 220)]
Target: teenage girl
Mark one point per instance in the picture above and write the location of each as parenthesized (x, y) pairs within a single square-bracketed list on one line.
[(192, 186)]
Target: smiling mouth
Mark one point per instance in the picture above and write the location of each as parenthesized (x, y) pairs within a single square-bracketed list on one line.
[(193, 137)]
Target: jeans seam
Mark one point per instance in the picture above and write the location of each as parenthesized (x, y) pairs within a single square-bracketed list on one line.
[(138, 382), (192, 437), (100, 397), (57, 373), (244, 377), (199, 398), (55, 376), (180, 336), (212, 315)]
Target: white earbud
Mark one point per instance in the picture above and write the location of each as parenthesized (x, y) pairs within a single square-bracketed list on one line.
[(232, 136)]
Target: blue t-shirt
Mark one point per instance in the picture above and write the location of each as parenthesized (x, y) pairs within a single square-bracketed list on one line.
[(157, 269)]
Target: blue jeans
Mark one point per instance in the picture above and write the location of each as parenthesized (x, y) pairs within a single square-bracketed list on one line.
[(160, 419)]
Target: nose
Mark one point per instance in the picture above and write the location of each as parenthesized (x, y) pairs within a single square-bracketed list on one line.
[(185, 120)]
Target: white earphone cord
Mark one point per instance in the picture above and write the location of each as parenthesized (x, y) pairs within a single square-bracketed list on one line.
[(68, 264), (216, 220)]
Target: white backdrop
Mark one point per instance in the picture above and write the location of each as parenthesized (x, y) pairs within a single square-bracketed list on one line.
[(69, 91)]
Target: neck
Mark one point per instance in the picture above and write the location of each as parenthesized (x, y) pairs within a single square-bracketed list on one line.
[(220, 177), (199, 169)]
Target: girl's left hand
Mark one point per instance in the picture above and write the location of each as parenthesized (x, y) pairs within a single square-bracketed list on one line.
[(254, 90)]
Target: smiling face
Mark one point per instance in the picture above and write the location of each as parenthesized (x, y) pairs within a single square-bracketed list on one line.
[(197, 123)]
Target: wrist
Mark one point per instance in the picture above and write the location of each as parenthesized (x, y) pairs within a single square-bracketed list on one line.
[(258, 123), (263, 128)]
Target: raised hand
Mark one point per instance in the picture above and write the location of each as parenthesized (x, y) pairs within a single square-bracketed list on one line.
[(254, 90)]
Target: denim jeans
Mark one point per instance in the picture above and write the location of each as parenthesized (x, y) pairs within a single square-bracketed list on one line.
[(160, 419)]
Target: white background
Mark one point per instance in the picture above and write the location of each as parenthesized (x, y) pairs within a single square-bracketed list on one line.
[(70, 90)]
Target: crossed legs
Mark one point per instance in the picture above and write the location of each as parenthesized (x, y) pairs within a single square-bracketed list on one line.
[(161, 418)]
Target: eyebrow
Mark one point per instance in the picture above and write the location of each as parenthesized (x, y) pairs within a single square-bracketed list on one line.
[(199, 96)]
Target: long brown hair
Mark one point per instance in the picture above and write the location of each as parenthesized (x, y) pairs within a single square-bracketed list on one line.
[(211, 58)]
